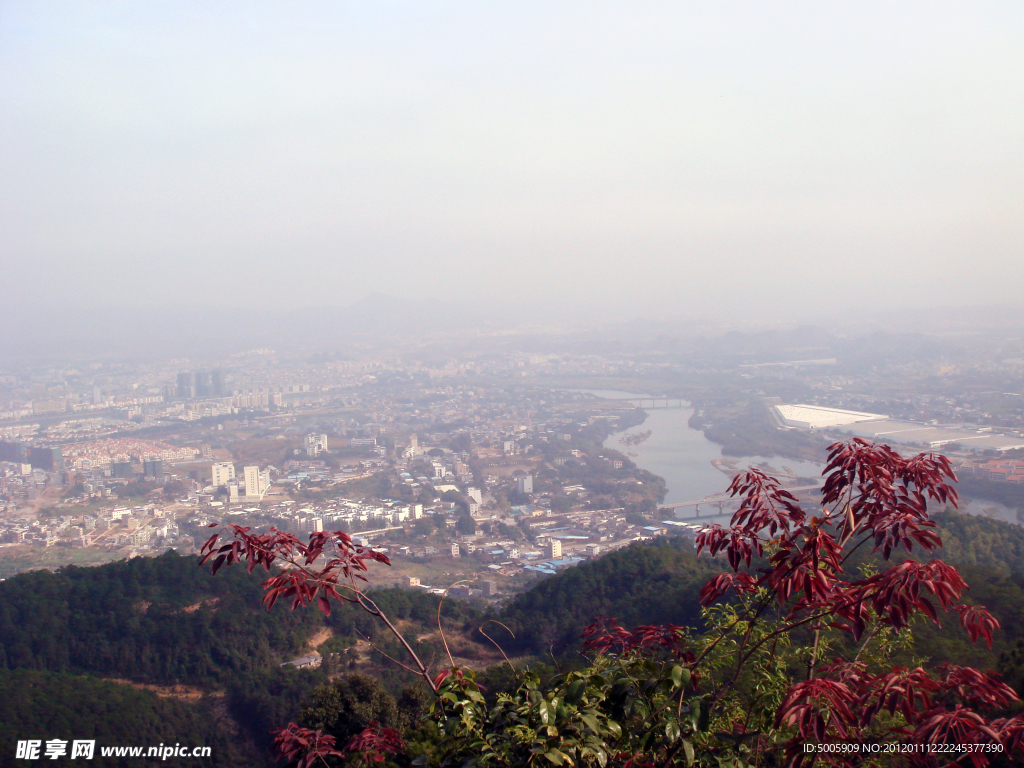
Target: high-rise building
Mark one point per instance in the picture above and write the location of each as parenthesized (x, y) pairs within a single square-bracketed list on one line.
[(217, 383), (256, 483), (97, 396), (122, 469), (50, 459), (554, 549), (153, 468), (203, 384), (475, 494), (524, 484), (12, 451), (251, 476), (185, 385), (223, 472), (414, 444)]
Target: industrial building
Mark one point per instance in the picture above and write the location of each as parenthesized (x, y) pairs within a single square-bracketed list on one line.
[(817, 417), (928, 436), (881, 428)]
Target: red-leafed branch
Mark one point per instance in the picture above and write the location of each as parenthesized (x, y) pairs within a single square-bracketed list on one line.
[(871, 494), (307, 747), (375, 742)]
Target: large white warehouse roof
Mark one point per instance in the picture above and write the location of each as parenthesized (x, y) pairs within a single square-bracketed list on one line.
[(817, 417)]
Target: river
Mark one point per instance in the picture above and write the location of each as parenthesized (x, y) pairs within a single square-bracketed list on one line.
[(683, 455)]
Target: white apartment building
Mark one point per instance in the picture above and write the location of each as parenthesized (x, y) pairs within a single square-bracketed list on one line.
[(256, 483), (315, 444), (310, 524), (223, 472)]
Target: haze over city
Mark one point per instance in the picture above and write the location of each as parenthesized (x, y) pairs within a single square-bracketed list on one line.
[(562, 385), (578, 160)]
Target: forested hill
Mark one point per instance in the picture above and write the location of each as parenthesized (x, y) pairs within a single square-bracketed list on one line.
[(48, 705), (642, 584), (979, 541), (165, 620), (660, 583), (156, 619)]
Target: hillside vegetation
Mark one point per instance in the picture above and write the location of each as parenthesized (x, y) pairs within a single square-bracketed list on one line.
[(158, 620), (48, 705), (164, 620), (647, 584)]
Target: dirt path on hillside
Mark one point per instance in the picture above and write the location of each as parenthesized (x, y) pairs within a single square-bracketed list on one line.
[(184, 692), (320, 637)]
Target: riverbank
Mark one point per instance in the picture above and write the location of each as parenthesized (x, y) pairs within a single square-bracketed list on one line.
[(691, 465)]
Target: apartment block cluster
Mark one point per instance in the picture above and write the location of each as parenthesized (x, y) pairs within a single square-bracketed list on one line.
[(157, 395), (142, 527), (252, 486), (1003, 470), (105, 454), (348, 515), (559, 540), (576, 540)]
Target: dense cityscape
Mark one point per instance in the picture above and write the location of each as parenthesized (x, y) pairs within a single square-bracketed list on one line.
[(510, 464)]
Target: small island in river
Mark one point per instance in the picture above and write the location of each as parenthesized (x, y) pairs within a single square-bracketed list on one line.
[(635, 439)]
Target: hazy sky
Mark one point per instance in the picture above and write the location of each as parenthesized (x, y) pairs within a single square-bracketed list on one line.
[(660, 157)]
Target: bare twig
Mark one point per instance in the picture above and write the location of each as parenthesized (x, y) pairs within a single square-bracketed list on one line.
[(439, 629), (495, 644), (386, 656)]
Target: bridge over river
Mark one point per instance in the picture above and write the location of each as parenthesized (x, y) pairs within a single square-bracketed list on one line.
[(648, 403), (719, 502)]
